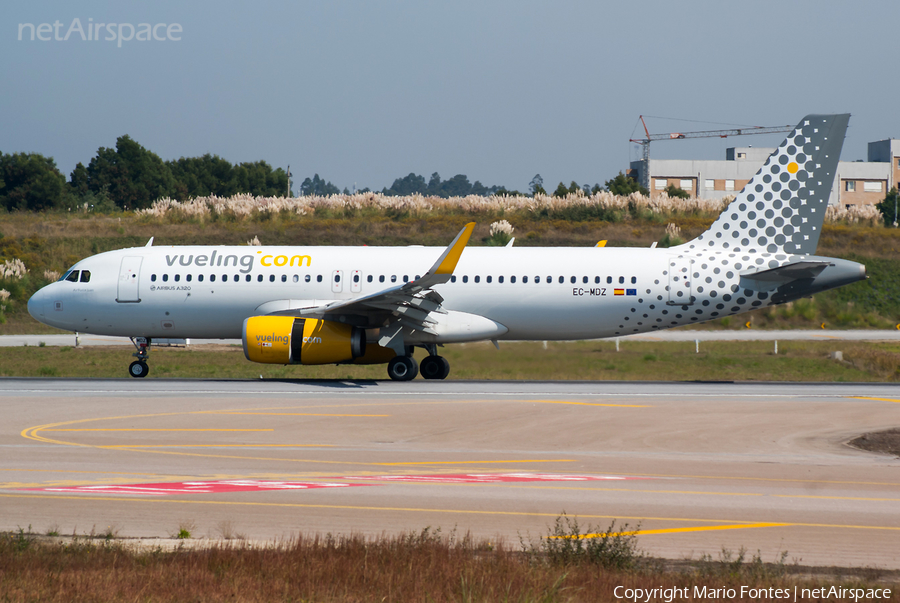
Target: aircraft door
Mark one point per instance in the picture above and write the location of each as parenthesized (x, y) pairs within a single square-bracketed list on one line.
[(680, 281), (129, 279), (356, 281), (337, 281)]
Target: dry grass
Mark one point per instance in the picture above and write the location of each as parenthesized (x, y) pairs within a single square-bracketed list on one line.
[(423, 566)]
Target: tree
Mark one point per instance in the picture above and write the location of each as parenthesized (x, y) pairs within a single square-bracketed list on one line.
[(410, 185), (203, 176), (625, 185), (458, 186), (888, 207), (561, 190), (674, 191), (30, 181), (318, 186), (536, 185), (78, 180), (132, 176)]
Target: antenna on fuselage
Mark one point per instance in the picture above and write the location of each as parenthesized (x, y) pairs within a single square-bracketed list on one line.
[(149, 243)]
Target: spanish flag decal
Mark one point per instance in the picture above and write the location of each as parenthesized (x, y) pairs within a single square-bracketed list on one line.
[(619, 291)]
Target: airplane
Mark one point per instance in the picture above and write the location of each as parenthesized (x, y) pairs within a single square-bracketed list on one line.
[(332, 304)]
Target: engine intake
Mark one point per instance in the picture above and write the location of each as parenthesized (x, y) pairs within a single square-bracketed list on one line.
[(290, 340)]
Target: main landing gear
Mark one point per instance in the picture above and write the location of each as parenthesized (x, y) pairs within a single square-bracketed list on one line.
[(139, 368), (405, 368)]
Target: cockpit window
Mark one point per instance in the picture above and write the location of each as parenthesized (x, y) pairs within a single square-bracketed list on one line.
[(85, 276), (65, 276), (72, 277)]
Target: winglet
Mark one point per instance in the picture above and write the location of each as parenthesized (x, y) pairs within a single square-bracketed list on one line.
[(446, 264)]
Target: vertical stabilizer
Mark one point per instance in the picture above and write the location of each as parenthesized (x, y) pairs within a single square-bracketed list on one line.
[(781, 210)]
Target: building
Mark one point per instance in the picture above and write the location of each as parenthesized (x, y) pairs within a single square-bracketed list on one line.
[(856, 183)]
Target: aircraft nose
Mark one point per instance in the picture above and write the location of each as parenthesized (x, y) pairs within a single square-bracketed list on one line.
[(36, 304)]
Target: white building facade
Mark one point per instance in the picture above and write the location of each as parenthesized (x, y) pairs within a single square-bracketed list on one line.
[(856, 183)]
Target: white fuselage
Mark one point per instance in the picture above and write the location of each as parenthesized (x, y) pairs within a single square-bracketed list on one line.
[(535, 293)]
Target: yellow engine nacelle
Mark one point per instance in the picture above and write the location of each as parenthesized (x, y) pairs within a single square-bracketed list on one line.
[(290, 340)]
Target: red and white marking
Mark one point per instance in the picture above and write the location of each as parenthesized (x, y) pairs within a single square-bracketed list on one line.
[(199, 487), (491, 478)]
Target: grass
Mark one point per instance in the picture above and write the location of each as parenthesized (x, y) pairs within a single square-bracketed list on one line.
[(415, 566), (585, 360)]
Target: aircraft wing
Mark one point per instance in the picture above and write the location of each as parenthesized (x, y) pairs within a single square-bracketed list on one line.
[(407, 305)]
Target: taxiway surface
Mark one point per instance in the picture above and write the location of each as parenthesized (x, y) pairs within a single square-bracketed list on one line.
[(696, 466)]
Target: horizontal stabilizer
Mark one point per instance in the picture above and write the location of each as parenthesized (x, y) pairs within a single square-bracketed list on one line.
[(766, 280)]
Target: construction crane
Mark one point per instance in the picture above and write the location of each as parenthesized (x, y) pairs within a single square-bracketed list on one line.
[(645, 142)]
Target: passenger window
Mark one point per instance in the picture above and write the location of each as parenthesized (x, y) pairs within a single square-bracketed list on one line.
[(337, 278), (271, 278), (512, 279), (152, 278), (369, 278), (562, 279), (465, 278), (307, 278), (200, 278), (393, 278), (418, 277), (573, 280), (188, 278), (318, 278), (247, 278), (524, 279), (633, 280), (597, 280), (453, 278), (283, 278), (609, 280), (259, 278), (355, 278), (584, 280), (224, 278), (296, 278), (549, 279), (177, 278), (477, 279), (405, 279), (381, 279), (212, 278), (165, 278), (488, 279), (621, 280)]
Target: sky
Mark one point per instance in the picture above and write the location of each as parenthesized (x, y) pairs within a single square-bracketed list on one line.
[(363, 91)]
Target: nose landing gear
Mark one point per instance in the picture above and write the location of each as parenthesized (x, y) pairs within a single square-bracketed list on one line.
[(139, 369)]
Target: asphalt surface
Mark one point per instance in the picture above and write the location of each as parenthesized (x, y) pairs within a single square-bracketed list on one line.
[(697, 466)]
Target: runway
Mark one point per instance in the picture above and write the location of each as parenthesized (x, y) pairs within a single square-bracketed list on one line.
[(695, 467)]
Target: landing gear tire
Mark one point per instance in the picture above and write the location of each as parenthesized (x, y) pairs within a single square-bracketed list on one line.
[(434, 367), (138, 369), (403, 368)]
